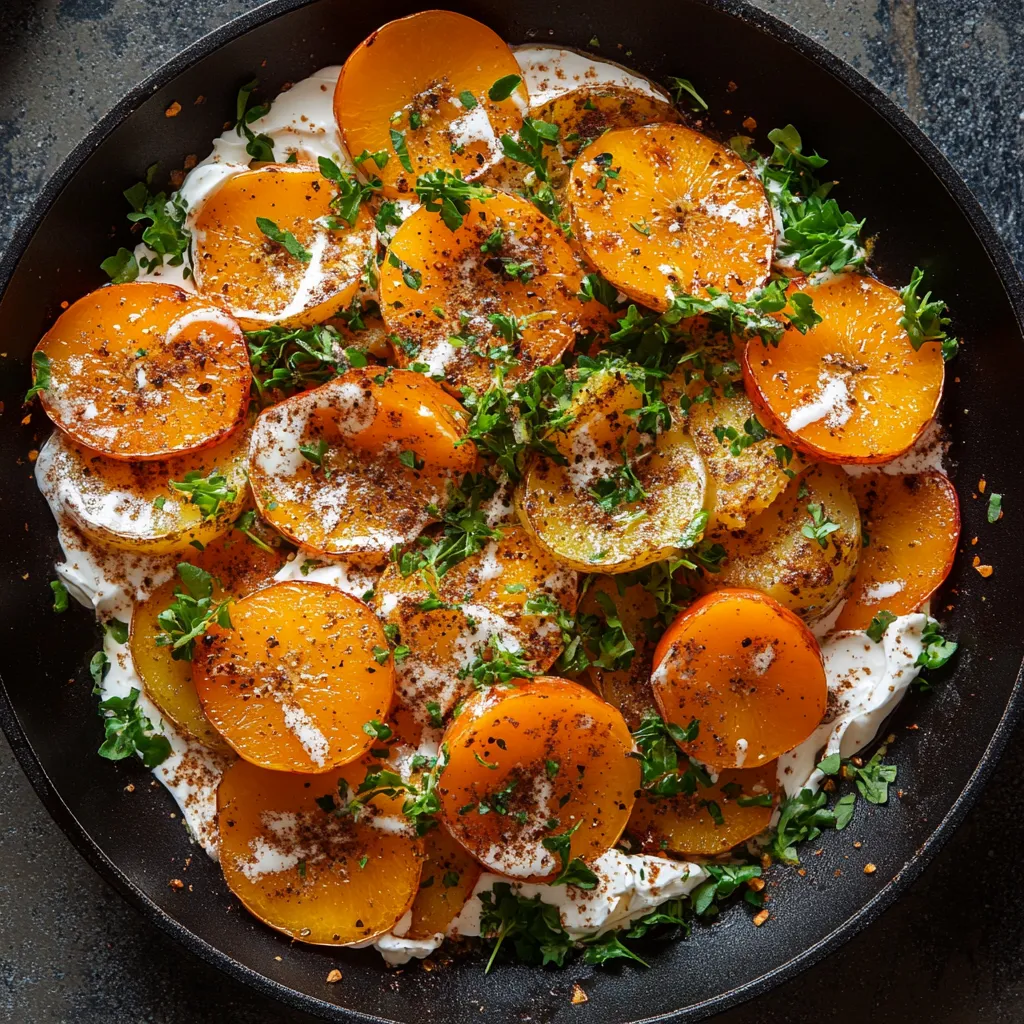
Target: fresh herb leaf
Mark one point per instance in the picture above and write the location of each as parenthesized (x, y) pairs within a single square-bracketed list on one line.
[(879, 624), (285, 239), (122, 267), (128, 731), (820, 526), (205, 492), (995, 507), (681, 87), (401, 149), (503, 88), (447, 193), (259, 147), (923, 318), (41, 378), (60, 596), (191, 613)]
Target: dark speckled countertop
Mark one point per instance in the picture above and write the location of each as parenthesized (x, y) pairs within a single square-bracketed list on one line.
[(949, 951)]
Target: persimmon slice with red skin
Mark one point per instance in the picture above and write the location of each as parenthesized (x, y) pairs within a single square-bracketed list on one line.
[(436, 284), (449, 876), (258, 279), (314, 876), (852, 389), (546, 749), (663, 209), (359, 498), (748, 670), (407, 78), (685, 824), (912, 524), (293, 681), (145, 371)]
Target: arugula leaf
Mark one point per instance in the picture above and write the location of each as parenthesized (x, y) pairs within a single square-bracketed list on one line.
[(41, 378), (122, 267), (681, 87), (879, 624), (503, 88), (165, 233), (191, 613), (259, 147), (533, 928), (820, 526), (205, 492), (401, 149), (609, 946), (60, 596), (923, 318), (128, 731), (446, 192), (285, 239)]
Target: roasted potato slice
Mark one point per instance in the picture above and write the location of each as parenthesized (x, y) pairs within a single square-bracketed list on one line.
[(623, 498), (352, 467), (747, 466), (313, 875), (543, 759), (747, 671), (144, 371), (484, 600), (135, 505), (802, 550)]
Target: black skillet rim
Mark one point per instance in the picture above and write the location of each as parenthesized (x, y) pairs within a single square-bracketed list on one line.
[(1010, 280)]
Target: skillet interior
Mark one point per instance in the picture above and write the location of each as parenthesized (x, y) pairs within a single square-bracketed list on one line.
[(883, 178)]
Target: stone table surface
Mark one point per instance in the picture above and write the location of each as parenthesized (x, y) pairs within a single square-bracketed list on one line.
[(950, 950)]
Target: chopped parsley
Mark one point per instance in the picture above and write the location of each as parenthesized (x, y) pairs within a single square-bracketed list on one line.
[(820, 526), (207, 493), (191, 612), (446, 192), (285, 239), (165, 233), (923, 318), (40, 375), (60, 596), (128, 731), (259, 147)]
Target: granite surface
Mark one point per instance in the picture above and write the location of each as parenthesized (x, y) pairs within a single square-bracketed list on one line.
[(950, 950)]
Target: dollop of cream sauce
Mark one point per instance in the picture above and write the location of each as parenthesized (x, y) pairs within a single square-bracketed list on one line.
[(866, 680)]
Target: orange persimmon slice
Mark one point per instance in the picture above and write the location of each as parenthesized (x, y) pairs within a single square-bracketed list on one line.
[(293, 681), (710, 821), (852, 389), (449, 876), (501, 290), (350, 467), (663, 209), (911, 525), (531, 763), (747, 670), (261, 280), (306, 872), (144, 371), (487, 601), (239, 567), (581, 116), (420, 90)]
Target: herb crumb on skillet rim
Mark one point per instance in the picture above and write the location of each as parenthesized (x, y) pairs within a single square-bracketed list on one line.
[(987, 300)]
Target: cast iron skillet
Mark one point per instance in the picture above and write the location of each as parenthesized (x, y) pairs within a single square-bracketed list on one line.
[(923, 214)]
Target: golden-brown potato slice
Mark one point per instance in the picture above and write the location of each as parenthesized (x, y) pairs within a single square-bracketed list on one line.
[(623, 498), (352, 466), (501, 290), (238, 566), (711, 820), (484, 601), (776, 555), (743, 478), (133, 504), (663, 209), (263, 280), (315, 876)]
